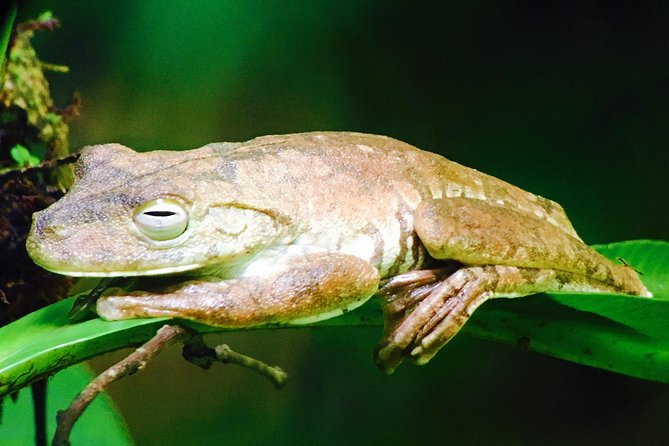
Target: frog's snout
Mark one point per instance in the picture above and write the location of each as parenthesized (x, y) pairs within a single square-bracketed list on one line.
[(44, 227), (39, 230), (39, 224), (44, 241)]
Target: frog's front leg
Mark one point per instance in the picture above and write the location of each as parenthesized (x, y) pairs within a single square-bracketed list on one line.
[(502, 253), (297, 289)]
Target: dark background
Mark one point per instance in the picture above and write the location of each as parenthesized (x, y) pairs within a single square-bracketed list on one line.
[(568, 99)]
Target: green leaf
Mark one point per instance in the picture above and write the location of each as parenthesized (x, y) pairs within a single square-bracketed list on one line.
[(624, 334), (22, 156), (100, 424), (45, 16), (44, 342)]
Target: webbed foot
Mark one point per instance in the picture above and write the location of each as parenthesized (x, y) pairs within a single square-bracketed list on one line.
[(421, 316), (423, 310)]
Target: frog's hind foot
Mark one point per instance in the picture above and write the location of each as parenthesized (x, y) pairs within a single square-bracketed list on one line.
[(401, 294), (422, 317), (422, 311)]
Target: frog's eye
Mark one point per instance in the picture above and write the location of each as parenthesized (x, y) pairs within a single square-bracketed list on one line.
[(161, 219)]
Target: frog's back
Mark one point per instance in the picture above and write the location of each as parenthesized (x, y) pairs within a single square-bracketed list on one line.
[(385, 165), (357, 193)]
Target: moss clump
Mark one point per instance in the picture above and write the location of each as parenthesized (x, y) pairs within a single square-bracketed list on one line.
[(31, 129)]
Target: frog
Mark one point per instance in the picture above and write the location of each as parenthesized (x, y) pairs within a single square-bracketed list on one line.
[(298, 228)]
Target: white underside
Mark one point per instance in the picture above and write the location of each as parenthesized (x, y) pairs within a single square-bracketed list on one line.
[(130, 273)]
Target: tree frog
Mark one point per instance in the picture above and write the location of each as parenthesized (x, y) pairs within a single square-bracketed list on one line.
[(293, 229)]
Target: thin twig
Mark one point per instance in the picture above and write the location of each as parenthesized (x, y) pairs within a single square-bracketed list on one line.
[(166, 336), (274, 373), (195, 351)]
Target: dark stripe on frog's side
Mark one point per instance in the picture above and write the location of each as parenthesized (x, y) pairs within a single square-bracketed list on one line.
[(418, 252)]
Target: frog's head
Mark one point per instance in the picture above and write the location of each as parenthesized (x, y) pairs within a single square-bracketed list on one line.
[(134, 214)]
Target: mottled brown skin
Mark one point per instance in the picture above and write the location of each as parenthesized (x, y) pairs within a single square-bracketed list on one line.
[(302, 227)]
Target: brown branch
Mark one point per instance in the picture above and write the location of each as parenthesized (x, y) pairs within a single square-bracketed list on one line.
[(44, 166), (195, 351), (166, 336), (275, 374)]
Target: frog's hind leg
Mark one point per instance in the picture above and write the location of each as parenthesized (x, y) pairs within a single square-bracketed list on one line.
[(421, 319), (475, 232), (503, 253)]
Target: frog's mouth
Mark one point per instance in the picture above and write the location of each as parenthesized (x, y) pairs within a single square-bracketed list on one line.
[(64, 258), (119, 273)]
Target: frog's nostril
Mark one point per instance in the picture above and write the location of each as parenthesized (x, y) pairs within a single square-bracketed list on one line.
[(55, 230), (43, 226), (40, 223)]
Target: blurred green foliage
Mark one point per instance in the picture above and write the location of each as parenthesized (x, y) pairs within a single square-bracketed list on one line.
[(7, 16), (566, 99), (23, 157), (100, 424)]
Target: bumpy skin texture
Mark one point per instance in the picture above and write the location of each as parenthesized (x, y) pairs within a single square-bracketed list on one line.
[(297, 228)]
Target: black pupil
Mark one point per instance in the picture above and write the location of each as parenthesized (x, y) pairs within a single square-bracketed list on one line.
[(160, 213)]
